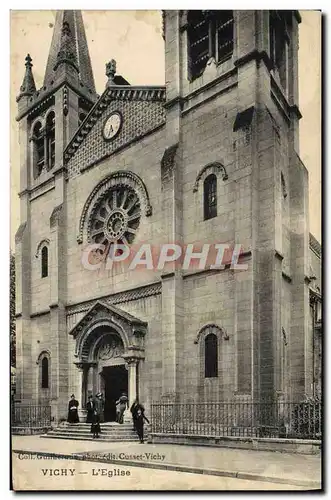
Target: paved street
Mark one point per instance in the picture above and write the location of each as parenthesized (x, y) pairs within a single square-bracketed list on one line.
[(226, 468), (35, 474)]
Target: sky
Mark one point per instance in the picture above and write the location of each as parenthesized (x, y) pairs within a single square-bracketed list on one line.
[(133, 39)]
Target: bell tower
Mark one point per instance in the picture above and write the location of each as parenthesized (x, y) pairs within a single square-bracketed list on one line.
[(232, 101), (48, 118)]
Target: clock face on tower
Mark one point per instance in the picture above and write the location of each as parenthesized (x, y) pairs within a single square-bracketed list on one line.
[(112, 125)]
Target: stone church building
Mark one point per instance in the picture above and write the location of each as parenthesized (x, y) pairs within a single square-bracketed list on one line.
[(211, 157)]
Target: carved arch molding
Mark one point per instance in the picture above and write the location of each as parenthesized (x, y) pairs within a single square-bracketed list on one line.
[(118, 180), (212, 168), (211, 328), (110, 329)]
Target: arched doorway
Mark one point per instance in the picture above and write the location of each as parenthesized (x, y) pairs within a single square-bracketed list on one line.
[(109, 347), (111, 370), (106, 370)]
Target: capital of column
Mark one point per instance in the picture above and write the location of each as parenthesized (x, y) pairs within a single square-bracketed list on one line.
[(80, 365), (131, 361)]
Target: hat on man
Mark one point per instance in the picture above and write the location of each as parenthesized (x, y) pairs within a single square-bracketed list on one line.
[(72, 396), (99, 395)]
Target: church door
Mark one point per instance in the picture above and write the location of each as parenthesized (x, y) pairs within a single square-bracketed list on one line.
[(115, 380)]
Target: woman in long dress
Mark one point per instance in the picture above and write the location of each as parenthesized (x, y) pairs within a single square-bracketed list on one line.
[(73, 410)]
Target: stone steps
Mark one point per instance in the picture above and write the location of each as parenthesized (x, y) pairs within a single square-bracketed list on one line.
[(111, 432)]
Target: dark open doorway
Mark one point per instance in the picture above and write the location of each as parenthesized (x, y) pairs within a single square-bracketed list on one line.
[(116, 382)]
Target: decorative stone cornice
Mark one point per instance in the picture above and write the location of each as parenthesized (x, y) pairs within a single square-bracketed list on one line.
[(118, 298), (112, 93)]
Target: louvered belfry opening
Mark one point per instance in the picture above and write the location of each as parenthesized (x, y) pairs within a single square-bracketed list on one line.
[(210, 34), (224, 35), (198, 42), (50, 139), (39, 156)]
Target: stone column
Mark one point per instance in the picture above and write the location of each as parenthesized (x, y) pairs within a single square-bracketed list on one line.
[(132, 368), (80, 394)]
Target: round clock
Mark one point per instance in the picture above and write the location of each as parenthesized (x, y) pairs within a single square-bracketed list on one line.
[(112, 125)]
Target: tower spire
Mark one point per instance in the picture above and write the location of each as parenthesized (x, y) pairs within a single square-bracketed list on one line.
[(69, 46), (28, 87)]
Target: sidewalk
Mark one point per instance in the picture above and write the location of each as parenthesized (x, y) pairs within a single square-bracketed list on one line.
[(283, 468)]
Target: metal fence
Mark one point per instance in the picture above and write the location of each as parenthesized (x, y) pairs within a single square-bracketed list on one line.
[(247, 419), (31, 416)]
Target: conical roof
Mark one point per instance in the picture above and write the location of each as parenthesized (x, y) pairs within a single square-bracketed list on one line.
[(69, 44), (28, 86)]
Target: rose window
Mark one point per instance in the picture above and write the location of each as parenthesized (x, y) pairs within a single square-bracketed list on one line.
[(116, 217)]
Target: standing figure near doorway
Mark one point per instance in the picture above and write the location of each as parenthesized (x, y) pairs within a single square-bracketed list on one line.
[(95, 426), (90, 409), (73, 410), (121, 405), (99, 404), (139, 422)]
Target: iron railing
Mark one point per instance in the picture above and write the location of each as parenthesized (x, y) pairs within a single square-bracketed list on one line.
[(247, 419), (31, 416)]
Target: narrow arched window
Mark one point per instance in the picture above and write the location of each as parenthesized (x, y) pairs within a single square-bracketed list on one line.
[(44, 262), (210, 196), (50, 139), (39, 149), (44, 373), (211, 356)]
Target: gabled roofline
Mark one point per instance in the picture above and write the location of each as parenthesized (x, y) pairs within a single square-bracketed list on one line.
[(112, 309), (112, 93)]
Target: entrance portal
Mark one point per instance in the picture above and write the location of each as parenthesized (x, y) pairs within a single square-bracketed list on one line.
[(115, 380)]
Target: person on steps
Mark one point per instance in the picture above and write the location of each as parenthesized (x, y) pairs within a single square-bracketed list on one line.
[(121, 405), (73, 410), (134, 408), (95, 426), (90, 409), (139, 423)]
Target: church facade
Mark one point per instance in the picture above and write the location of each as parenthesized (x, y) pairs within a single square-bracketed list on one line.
[(209, 158)]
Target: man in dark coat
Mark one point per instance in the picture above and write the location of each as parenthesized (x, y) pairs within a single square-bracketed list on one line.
[(73, 410), (134, 408), (95, 425), (139, 422), (90, 409)]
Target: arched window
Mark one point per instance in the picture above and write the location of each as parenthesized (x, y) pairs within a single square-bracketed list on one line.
[(44, 262), (44, 373), (39, 149), (211, 356), (210, 34), (50, 139), (210, 196)]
